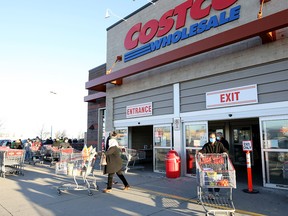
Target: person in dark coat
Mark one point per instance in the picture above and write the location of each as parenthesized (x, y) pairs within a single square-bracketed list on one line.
[(106, 149), (114, 163), (213, 147), (220, 138)]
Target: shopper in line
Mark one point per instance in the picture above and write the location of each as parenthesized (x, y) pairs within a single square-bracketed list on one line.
[(220, 138), (114, 163), (27, 147), (106, 149), (213, 147), (65, 144)]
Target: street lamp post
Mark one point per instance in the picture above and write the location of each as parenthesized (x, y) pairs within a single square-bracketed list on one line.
[(53, 93)]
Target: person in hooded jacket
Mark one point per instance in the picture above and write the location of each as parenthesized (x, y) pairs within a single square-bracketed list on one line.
[(114, 163), (106, 149)]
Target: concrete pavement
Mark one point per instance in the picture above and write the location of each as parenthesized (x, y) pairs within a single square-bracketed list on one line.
[(151, 193)]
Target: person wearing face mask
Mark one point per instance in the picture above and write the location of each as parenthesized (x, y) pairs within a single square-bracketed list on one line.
[(220, 138), (216, 147)]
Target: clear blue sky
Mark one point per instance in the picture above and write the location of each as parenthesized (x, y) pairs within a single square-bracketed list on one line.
[(50, 45)]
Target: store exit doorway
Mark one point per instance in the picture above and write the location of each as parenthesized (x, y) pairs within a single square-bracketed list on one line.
[(235, 132)]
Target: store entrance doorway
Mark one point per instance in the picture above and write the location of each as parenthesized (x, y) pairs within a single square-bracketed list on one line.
[(141, 139)]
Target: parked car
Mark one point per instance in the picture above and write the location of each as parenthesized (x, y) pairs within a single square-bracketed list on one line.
[(5, 142)]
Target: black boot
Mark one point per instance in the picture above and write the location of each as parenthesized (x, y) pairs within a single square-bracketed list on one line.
[(123, 179), (110, 182)]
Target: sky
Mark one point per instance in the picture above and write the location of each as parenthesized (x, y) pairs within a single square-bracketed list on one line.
[(47, 48)]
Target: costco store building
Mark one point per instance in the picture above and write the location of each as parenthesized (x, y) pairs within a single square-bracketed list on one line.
[(177, 70)]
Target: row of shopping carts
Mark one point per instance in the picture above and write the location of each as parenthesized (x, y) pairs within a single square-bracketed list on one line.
[(11, 161), (37, 154), (69, 162)]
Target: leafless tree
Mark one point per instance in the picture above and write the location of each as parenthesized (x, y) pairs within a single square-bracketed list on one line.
[(60, 134), (43, 133), (80, 135)]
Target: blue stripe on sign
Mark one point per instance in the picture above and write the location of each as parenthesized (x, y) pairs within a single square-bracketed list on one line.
[(137, 53)]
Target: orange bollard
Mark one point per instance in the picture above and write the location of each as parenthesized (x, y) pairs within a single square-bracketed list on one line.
[(249, 175)]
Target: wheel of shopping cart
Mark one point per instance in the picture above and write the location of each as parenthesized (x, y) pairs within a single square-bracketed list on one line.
[(95, 186), (59, 192)]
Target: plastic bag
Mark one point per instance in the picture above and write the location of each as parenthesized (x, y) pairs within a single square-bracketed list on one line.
[(103, 161)]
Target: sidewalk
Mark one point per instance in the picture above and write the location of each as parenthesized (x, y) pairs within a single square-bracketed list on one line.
[(35, 194)]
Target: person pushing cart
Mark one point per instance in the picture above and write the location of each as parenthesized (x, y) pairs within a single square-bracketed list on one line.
[(215, 171)]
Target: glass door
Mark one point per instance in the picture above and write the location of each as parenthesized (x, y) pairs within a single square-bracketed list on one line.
[(122, 137), (274, 133), (195, 136), (162, 145), (240, 134)]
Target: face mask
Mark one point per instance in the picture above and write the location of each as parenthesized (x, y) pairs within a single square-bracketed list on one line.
[(212, 140), (217, 138)]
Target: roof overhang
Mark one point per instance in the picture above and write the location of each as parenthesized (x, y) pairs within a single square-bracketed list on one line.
[(260, 27), (94, 97)]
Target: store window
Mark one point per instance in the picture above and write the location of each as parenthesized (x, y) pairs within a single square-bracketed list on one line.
[(196, 135), (275, 151), (162, 145)]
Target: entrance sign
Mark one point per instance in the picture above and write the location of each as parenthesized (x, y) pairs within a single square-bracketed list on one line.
[(232, 97), (139, 110), (247, 145)]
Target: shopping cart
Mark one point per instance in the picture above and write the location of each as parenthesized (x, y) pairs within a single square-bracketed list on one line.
[(129, 158), (69, 153), (215, 171), (11, 161), (36, 155), (50, 153), (75, 165)]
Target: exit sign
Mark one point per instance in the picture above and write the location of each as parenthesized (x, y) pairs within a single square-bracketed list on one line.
[(232, 97)]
